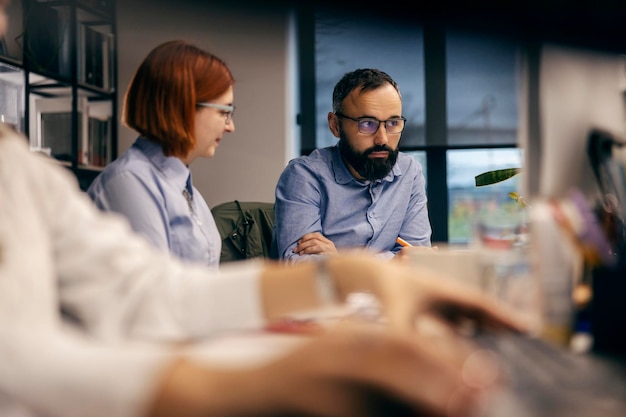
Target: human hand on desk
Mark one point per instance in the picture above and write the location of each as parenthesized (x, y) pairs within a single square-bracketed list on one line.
[(404, 254), (362, 370), (407, 292), (350, 370), (315, 244)]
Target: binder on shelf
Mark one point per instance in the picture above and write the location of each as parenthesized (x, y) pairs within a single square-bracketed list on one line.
[(99, 140), (94, 57)]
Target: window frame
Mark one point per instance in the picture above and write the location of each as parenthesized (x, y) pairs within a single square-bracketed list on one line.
[(435, 103)]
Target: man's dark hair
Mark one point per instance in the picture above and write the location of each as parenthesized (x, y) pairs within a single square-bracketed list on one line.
[(366, 79)]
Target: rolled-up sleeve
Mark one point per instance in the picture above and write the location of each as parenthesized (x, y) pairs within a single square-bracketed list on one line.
[(297, 208)]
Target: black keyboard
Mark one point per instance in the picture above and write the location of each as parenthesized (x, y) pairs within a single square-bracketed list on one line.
[(543, 380)]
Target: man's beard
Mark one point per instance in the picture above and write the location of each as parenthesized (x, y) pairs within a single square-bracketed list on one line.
[(369, 168)]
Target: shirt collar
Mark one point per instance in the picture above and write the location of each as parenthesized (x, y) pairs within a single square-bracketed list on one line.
[(343, 175), (172, 168)]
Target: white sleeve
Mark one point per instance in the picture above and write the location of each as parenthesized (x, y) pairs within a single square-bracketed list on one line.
[(58, 374), (43, 368), (57, 251)]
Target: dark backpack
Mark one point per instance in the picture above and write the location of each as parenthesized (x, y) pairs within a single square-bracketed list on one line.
[(245, 228)]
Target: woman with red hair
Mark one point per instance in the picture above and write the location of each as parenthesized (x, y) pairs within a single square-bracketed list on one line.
[(180, 101)]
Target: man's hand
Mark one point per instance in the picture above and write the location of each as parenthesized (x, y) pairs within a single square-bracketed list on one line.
[(315, 244), (404, 254)]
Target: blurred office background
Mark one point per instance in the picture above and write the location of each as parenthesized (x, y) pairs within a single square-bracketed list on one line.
[(458, 67)]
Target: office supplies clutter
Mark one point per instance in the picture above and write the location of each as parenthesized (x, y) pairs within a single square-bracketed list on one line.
[(580, 224), (568, 240), (555, 263), (607, 314), (607, 155)]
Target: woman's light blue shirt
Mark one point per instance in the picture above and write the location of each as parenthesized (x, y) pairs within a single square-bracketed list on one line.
[(147, 188)]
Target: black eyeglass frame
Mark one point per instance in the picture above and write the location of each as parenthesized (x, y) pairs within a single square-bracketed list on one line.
[(358, 121)]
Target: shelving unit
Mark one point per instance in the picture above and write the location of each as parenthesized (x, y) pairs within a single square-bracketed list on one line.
[(58, 75)]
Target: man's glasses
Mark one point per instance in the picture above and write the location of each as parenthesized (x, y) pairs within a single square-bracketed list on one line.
[(370, 125), (227, 111)]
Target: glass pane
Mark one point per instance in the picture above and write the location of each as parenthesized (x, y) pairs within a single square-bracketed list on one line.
[(11, 44), (421, 158), (345, 42), (51, 128), (95, 51), (482, 100), (56, 129), (96, 150), (48, 46), (466, 201), (12, 96), (103, 7), (51, 125)]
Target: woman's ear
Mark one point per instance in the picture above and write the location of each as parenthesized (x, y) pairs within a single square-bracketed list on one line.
[(333, 124)]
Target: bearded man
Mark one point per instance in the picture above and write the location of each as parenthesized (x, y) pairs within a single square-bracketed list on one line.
[(362, 192)]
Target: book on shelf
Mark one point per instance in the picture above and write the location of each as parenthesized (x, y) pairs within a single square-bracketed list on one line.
[(99, 141)]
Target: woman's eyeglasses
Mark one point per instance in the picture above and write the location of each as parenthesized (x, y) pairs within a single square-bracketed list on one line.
[(227, 111)]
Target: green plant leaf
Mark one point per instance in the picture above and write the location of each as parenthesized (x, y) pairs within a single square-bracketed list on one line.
[(498, 175)]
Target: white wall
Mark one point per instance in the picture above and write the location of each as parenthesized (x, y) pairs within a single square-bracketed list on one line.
[(576, 90), (254, 43)]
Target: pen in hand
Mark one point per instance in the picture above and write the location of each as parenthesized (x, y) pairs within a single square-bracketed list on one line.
[(402, 242)]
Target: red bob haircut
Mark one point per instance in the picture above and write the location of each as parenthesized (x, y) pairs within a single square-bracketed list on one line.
[(160, 103)]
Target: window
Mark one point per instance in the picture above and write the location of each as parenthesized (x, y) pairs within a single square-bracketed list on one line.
[(459, 93), (481, 97), (481, 94), (467, 202), (337, 51)]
